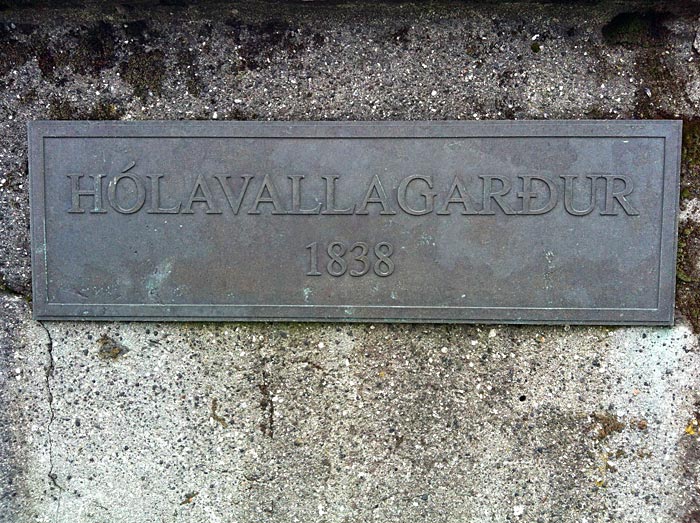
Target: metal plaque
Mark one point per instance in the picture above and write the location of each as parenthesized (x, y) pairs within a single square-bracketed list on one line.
[(498, 222)]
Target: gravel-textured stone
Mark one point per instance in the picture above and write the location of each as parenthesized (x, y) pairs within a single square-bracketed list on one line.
[(123, 422)]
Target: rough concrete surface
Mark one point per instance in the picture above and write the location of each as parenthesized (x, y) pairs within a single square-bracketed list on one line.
[(145, 422)]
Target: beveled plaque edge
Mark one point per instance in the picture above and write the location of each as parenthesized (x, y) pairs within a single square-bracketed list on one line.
[(669, 130)]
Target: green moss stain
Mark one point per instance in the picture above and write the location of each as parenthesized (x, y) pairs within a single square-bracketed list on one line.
[(691, 147), (104, 111), (186, 64), (636, 28), (95, 49), (13, 52), (688, 276), (145, 72), (64, 110), (257, 42), (660, 77)]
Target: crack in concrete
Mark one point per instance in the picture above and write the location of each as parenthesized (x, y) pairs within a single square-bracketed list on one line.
[(52, 414), (267, 426)]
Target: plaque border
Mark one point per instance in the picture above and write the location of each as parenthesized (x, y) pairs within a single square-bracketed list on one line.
[(663, 314)]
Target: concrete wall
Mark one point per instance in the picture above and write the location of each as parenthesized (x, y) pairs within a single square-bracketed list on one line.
[(146, 422)]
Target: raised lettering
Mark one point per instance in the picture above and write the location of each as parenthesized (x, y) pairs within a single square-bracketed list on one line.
[(384, 266), (272, 197), (201, 185), (611, 196), (375, 187), (428, 196), (77, 192), (331, 207), (112, 194), (529, 196), (234, 201), (155, 197), (569, 188), (296, 197), (416, 195), (458, 194), (495, 195), (362, 258), (337, 264)]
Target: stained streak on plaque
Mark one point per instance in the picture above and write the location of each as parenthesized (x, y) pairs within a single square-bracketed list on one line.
[(488, 222)]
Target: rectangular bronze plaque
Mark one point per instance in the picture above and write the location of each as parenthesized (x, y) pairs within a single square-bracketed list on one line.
[(503, 222)]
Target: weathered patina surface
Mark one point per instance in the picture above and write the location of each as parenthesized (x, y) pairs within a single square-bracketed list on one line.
[(517, 222)]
